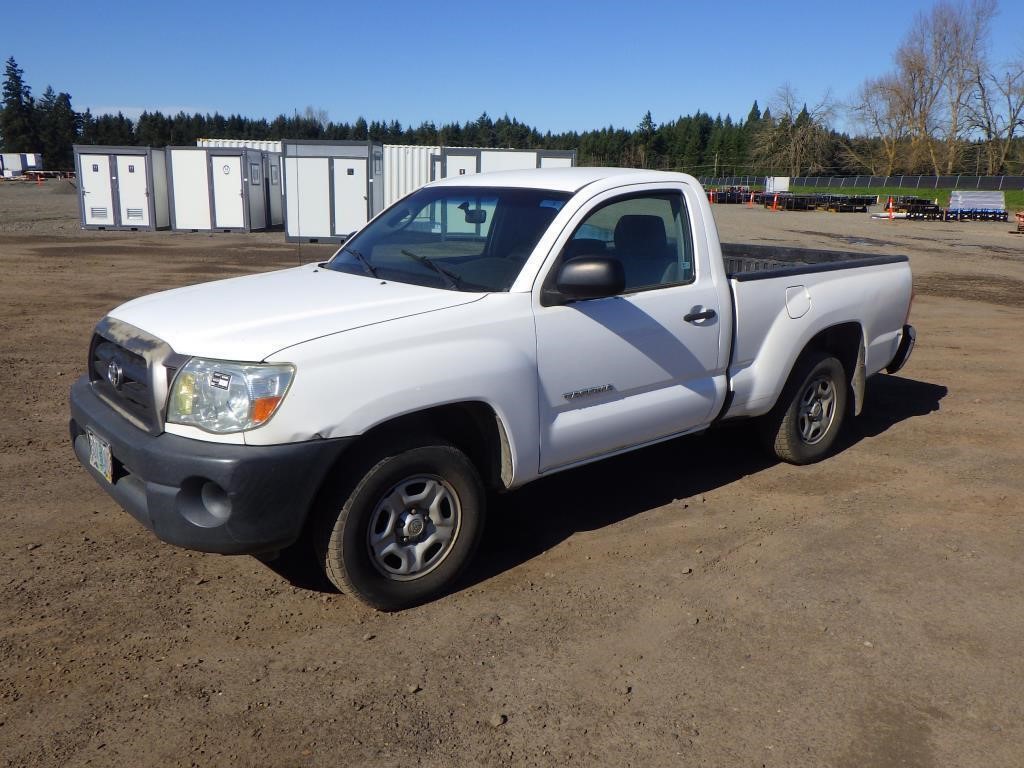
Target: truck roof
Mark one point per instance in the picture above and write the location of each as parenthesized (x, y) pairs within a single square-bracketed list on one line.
[(562, 179)]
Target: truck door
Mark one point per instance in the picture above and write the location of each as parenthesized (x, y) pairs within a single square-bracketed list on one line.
[(630, 369)]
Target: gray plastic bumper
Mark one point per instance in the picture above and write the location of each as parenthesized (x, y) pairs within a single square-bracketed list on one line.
[(212, 497)]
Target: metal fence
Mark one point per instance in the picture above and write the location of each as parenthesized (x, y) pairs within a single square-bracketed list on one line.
[(957, 181)]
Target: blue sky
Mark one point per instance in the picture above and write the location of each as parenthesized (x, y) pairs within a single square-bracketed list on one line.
[(557, 66)]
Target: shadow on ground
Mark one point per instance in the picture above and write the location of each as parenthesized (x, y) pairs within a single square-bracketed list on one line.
[(527, 522)]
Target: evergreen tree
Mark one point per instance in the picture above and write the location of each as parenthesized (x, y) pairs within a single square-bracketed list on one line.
[(17, 119), (58, 129)]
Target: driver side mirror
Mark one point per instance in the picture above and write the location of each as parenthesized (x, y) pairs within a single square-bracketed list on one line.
[(590, 277)]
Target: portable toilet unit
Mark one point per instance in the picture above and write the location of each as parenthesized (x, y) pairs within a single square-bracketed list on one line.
[(331, 188), (216, 189), (272, 182), (122, 187)]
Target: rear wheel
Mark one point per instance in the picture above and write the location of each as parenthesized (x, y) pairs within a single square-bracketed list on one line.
[(402, 532), (809, 415)]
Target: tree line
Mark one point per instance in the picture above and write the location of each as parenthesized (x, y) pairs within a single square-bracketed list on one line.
[(944, 108)]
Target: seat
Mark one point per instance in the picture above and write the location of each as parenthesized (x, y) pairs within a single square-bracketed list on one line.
[(642, 247)]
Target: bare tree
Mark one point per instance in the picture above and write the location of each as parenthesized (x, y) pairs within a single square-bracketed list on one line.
[(963, 32), (797, 138), (880, 109), (995, 110), (921, 72), (316, 115), (936, 71)]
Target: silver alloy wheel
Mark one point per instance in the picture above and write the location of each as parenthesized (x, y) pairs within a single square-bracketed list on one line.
[(817, 409), (413, 527)]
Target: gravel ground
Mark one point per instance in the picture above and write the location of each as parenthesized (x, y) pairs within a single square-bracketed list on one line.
[(692, 604)]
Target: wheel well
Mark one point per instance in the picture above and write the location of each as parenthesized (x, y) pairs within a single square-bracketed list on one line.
[(472, 426), (845, 343), (842, 341)]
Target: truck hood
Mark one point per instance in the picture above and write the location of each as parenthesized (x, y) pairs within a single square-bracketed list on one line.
[(250, 318)]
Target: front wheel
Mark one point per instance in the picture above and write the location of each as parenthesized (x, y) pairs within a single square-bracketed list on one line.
[(406, 528), (806, 421)]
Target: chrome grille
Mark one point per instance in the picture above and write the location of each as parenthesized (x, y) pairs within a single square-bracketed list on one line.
[(133, 392)]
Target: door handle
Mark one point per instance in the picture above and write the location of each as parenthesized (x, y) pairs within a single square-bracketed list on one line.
[(694, 317)]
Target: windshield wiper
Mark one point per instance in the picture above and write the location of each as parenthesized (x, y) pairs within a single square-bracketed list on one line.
[(450, 277), (367, 266)]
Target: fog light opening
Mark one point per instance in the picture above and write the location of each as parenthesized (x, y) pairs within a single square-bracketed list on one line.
[(215, 500)]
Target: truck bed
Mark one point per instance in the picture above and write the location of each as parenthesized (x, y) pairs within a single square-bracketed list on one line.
[(759, 262)]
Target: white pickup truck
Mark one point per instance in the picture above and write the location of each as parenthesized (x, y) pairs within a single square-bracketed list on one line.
[(481, 333)]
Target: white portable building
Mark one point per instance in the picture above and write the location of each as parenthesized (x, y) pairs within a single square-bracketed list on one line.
[(229, 189), (407, 168), (273, 182), (122, 187), (16, 163), (776, 184), (331, 188)]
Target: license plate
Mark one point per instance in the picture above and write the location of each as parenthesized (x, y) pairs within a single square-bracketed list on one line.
[(99, 456)]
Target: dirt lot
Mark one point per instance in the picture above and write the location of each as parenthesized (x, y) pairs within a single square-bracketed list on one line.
[(690, 605)]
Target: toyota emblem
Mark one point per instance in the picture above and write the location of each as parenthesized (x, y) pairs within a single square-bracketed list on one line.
[(115, 374)]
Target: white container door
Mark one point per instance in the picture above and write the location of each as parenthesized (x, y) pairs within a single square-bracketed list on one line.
[(133, 190), (227, 192), (97, 193), (460, 165), (190, 192), (307, 196), (257, 192), (349, 195)]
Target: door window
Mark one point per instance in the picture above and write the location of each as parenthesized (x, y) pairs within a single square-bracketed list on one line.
[(649, 234)]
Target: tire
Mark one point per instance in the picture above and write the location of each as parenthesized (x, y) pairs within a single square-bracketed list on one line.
[(807, 419), (400, 533)]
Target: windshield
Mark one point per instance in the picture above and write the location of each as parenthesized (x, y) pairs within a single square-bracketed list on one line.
[(458, 238)]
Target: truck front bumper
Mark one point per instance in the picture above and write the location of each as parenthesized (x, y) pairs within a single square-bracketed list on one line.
[(211, 497)]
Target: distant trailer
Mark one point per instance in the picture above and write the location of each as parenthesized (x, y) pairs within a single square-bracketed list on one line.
[(17, 164), (331, 188), (230, 189), (122, 187)]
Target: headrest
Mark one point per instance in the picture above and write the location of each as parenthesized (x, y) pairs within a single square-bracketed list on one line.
[(638, 232)]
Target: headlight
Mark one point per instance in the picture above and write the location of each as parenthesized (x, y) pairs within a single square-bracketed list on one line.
[(221, 397)]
